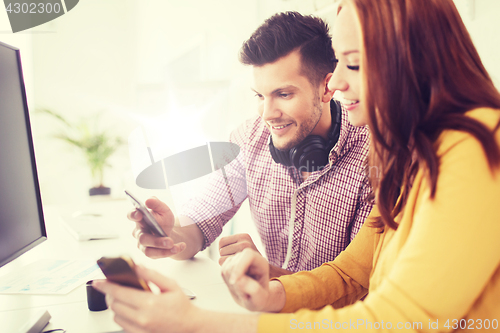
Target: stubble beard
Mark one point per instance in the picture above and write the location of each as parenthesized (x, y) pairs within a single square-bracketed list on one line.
[(304, 129)]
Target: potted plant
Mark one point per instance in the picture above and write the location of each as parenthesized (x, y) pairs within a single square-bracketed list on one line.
[(96, 145)]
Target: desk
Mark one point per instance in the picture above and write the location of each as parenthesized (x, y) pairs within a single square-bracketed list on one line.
[(70, 311)]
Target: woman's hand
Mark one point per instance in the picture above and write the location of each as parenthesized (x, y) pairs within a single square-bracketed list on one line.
[(141, 311), (247, 276)]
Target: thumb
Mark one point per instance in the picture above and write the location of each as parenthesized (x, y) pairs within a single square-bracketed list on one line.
[(161, 281), (157, 205)]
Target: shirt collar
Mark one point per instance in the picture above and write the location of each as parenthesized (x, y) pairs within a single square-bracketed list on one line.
[(345, 128)]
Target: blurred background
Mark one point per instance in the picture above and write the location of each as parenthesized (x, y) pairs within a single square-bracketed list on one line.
[(168, 66)]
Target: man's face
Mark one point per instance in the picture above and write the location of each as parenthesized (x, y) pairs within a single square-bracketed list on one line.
[(288, 103)]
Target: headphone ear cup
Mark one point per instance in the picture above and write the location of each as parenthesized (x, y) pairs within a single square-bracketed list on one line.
[(316, 155), (279, 156), (310, 151)]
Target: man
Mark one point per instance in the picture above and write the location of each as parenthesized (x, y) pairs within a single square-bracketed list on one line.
[(301, 164)]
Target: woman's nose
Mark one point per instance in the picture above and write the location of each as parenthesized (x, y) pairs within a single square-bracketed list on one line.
[(337, 81)]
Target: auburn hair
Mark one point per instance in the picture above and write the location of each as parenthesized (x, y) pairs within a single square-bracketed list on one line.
[(422, 73)]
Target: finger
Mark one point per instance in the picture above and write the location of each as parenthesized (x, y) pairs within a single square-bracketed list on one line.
[(130, 319), (158, 206), (227, 240), (227, 268), (128, 325), (139, 229), (123, 310), (259, 270), (248, 286), (134, 215), (155, 253), (130, 296), (222, 260), (239, 288), (164, 283), (242, 262), (244, 291), (233, 248), (149, 240), (158, 247), (230, 279)]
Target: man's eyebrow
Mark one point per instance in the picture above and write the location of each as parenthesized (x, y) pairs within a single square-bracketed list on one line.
[(288, 87), (277, 90)]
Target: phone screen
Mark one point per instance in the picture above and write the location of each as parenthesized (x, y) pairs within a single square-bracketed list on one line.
[(121, 270)]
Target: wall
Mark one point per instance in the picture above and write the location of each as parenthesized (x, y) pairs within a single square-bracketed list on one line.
[(23, 42), (136, 63), (481, 19)]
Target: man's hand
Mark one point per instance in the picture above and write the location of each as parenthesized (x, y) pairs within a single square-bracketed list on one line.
[(141, 311), (154, 246), (230, 245), (247, 276)]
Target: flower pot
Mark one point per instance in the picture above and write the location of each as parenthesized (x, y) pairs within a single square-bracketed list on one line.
[(101, 190)]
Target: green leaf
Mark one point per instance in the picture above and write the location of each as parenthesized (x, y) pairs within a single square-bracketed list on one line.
[(96, 145)]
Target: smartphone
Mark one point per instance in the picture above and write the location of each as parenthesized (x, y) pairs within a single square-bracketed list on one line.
[(147, 217), (121, 270)]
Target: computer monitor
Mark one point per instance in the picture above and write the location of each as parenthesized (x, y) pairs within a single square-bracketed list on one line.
[(22, 224)]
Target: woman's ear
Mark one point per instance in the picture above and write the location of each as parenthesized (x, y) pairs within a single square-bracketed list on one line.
[(327, 94)]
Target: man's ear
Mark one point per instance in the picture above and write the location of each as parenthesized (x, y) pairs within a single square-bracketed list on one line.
[(327, 94)]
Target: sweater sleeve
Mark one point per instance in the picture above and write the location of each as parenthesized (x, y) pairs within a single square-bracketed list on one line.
[(448, 256), (349, 273)]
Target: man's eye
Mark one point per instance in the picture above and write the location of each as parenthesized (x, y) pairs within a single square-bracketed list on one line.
[(353, 68), (258, 95), (283, 95)]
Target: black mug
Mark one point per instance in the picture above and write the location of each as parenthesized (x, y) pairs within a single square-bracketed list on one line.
[(95, 299)]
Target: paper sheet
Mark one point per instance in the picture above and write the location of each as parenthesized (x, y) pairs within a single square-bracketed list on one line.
[(49, 277)]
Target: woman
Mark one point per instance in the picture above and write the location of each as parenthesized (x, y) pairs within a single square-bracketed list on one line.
[(429, 255)]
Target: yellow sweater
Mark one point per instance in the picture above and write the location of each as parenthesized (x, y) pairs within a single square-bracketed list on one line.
[(439, 272)]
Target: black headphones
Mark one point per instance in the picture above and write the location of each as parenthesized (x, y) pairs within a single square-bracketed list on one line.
[(312, 153)]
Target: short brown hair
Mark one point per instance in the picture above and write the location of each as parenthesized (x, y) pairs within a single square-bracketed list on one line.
[(285, 32)]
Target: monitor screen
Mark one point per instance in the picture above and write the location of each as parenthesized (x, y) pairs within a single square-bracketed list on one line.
[(21, 217)]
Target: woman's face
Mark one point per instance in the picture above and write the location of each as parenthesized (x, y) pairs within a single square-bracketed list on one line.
[(346, 42)]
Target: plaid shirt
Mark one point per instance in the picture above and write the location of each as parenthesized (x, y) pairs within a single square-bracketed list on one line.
[(325, 211)]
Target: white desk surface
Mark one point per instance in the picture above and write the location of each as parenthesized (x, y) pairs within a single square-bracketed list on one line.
[(70, 311)]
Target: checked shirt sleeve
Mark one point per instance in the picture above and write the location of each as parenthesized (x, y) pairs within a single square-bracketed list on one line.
[(365, 205), (223, 195)]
